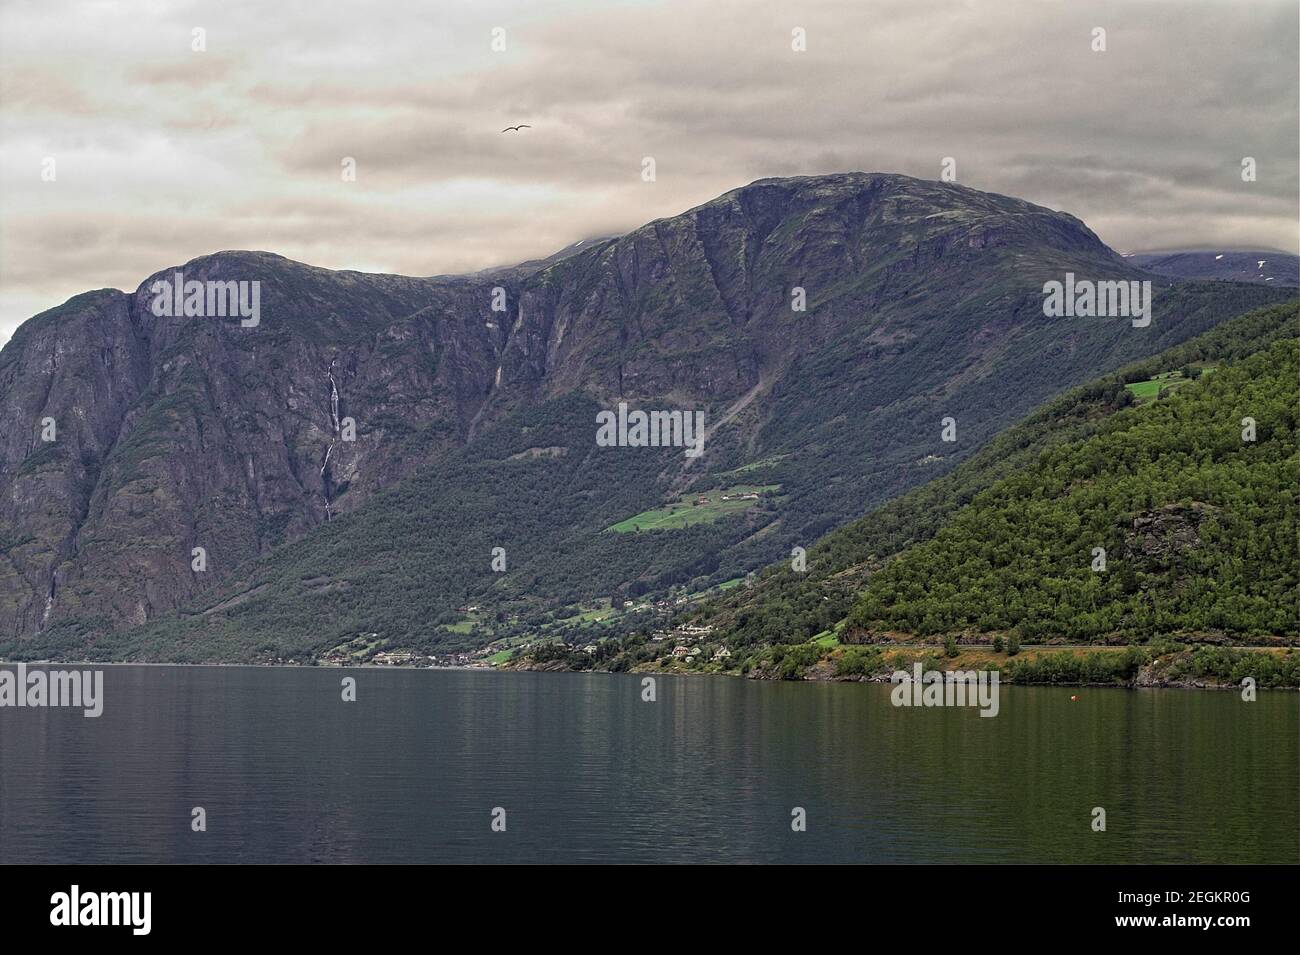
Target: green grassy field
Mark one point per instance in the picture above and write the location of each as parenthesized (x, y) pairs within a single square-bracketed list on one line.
[(684, 511), (602, 611), (716, 588), (1150, 389), (829, 639), (1145, 389)]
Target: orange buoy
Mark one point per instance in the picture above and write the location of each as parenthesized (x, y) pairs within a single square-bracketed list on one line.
[(1073, 698)]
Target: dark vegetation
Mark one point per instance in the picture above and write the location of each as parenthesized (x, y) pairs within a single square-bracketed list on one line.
[(1072, 445), (924, 300)]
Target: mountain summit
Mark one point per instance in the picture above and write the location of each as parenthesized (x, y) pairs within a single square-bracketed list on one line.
[(348, 461)]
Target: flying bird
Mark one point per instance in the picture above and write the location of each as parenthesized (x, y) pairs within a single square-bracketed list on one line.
[(516, 128)]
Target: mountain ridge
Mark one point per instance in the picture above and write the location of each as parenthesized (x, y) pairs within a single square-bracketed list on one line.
[(178, 433), (1197, 518)]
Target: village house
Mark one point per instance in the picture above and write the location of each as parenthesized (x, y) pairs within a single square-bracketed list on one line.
[(691, 629), (394, 657)]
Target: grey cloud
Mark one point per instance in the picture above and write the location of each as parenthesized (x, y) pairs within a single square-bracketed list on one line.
[(170, 154)]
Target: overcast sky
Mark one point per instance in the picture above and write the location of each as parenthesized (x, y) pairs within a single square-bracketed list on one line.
[(162, 154)]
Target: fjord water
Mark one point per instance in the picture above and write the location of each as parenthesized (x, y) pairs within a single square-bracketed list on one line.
[(587, 771)]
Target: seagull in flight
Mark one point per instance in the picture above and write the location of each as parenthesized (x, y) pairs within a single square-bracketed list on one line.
[(516, 128)]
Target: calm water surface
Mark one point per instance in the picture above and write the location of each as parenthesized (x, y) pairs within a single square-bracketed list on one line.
[(588, 772)]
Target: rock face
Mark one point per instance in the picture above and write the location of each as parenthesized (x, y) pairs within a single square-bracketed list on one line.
[(1158, 538), (178, 432)]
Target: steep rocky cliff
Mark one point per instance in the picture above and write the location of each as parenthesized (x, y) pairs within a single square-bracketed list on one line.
[(179, 432)]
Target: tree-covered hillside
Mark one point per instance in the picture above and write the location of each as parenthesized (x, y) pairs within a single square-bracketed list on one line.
[(1167, 520), (787, 606), (344, 470)]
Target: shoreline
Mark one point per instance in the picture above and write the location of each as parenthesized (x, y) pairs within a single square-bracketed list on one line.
[(83, 664), (817, 673), (1161, 665), (884, 679)]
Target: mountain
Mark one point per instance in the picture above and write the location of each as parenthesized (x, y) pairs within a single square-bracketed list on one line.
[(474, 403), (178, 432), (1199, 526), (1165, 521), (1263, 266)]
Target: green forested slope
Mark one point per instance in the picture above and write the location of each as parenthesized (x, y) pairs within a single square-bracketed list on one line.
[(785, 606), (1197, 524), (476, 430)]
